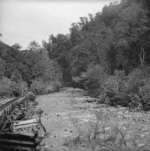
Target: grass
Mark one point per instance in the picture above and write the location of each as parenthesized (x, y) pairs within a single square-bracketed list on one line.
[(112, 130)]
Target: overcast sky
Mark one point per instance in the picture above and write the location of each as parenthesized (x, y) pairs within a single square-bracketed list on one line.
[(22, 21)]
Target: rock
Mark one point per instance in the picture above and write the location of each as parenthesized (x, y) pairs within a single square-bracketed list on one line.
[(37, 141), (42, 144), (31, 96), (38, 148), (46, 147)]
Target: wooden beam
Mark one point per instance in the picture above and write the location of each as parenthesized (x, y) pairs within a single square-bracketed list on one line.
[(15, 136), (17, 142), (13, 147)]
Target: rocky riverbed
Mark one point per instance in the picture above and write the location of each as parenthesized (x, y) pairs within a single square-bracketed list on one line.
[(66, 112)]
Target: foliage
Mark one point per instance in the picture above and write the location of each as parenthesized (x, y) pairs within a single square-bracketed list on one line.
[(2, 69), (16, 76), (34, 46), (38, 87), (24, 66), (19, 89), (131, 91), (10, 88), (5, 87), (116, 39)]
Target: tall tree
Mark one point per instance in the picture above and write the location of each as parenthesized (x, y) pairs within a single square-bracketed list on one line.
[(132, 30), (34, 46)]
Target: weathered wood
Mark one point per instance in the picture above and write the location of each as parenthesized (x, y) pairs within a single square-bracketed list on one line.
[(15, 136), (24, 124), (17, 142), (24, 136), (13, 147), (12, 141), (8, 119)]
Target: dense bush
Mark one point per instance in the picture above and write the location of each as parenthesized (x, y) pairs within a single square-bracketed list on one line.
[(19, 89), (92, 80), (131, 90), (10, 88), (5, 87), (38, 87), (145, 95)]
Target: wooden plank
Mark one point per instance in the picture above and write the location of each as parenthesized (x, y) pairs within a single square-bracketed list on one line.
[(17, 142), (15, 136), (13, 147), (24, 124), (8, 119)]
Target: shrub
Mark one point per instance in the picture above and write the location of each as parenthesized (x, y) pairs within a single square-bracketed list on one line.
[(5, 87), (94, 79), (10, 88), (138, 88), (16, 89), (19, 89), (132, 90), (144, 94), (53, 87), (116, 87), (24, 88), (38, 87)]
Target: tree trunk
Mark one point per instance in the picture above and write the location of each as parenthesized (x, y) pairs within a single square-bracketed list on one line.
[(142, 56)]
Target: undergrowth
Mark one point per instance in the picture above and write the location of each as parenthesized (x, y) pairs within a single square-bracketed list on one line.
[(111, 131)]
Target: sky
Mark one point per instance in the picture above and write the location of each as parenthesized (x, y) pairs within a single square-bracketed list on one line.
[(22, 21)]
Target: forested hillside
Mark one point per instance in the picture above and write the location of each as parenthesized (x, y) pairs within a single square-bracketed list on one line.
[(30, 69), (107, 54)]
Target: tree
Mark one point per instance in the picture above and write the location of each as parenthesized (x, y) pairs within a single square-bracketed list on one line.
[(16, 76), (59, 50), (0, 36), (34, 46), (132, 29), (17, 46), (2, 68)]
